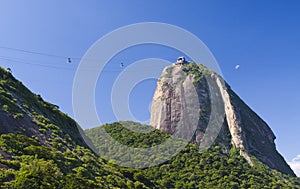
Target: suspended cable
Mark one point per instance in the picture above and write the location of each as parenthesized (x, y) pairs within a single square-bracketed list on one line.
[(107, 70), (33, 52), (68, 60), (35, 64)]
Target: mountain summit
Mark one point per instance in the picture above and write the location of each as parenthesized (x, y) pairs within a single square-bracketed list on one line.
[(195, 103)]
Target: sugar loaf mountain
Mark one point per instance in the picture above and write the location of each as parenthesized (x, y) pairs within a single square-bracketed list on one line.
[(227, 144)]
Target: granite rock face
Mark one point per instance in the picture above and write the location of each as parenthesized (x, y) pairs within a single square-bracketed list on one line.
[(194, 103)]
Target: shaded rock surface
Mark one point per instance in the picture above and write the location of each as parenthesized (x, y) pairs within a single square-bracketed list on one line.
[(195, 103)]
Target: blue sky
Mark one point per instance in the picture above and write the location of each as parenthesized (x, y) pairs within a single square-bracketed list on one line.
[(261, 36)]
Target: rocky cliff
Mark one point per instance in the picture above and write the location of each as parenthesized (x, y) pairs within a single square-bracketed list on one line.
[(195, 103)]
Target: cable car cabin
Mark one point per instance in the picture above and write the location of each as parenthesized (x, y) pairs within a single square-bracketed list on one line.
[(181, 61)]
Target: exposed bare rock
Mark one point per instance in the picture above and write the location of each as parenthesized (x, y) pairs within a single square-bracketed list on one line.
[(179, 111), (195, 103)]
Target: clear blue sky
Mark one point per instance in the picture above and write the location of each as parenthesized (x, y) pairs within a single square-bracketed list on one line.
[(263, 37)]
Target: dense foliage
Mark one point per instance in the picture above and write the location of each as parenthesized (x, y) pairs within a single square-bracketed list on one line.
[(25, 163), (121, 132), (140, 149), (40, 147), (31, 165), (192, 169), (27, 108)]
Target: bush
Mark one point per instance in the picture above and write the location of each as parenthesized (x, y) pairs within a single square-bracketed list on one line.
[(5, 108), (18, 115)]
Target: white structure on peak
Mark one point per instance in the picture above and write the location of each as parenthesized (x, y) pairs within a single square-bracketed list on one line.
[(181, 61)]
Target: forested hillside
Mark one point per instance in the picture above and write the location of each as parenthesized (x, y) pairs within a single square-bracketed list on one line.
[(192, 169), (41, 147)]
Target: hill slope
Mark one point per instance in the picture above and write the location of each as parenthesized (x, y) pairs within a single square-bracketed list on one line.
[(190, 168), (22, 112), (41, 147)]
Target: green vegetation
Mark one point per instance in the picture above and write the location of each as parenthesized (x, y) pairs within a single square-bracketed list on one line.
[(19, 103), (120, 131), (197, 70), (35, 166), (112, 146), (41, 147), (191, 169), (32, 164)]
